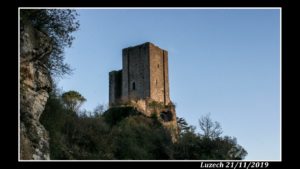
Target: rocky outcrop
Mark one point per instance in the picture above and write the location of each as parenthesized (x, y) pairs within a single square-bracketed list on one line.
[(35, 84)]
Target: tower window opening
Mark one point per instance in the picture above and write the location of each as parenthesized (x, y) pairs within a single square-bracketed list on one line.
[(157, 65), (133, 86)]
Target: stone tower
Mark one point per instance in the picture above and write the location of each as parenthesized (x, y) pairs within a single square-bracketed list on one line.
[(145, 73), (144, 76), (143, 82)]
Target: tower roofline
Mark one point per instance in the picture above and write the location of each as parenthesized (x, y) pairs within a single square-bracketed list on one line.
[(144, 44)]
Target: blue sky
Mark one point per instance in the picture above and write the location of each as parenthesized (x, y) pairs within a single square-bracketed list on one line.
[(225, 62)]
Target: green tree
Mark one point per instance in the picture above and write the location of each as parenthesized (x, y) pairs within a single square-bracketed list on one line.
[(208, 145), (183, 126), (73, 100), (139, 138), (58, 24), (234, 151)]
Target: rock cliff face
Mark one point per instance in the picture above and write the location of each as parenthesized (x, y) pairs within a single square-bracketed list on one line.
[(35, 84)]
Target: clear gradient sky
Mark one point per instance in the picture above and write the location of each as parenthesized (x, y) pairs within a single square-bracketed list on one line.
[(221, 61)]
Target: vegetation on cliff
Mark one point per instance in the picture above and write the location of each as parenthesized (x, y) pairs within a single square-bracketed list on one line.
[(124, 133), (44, 33)]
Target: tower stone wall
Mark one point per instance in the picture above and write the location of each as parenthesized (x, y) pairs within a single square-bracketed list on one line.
[(159, 82), (135, 73), (144, 75)]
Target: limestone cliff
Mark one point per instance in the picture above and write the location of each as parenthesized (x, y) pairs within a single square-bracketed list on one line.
[(35, 84)]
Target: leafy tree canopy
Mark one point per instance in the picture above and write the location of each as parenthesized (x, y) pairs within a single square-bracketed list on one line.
[(58, 24), (73, 100)]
